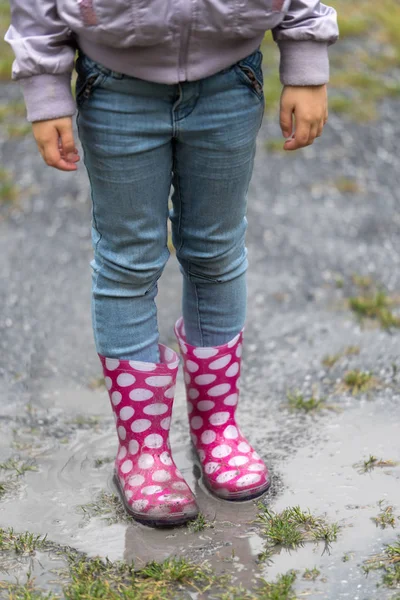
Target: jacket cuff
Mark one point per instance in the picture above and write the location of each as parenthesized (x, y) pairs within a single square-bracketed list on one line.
[(48, 96), (303, 62)]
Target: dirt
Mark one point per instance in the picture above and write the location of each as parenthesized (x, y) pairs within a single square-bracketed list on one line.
[(304, 237)]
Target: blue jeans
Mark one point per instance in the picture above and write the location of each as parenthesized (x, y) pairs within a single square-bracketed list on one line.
[(138, 138)]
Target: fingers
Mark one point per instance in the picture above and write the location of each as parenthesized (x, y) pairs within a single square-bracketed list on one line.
[(301, 137), (305, 135), (286, 118), (68, 150), (56, 143)]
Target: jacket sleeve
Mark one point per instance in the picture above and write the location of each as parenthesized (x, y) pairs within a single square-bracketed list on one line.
[(44, 58), (303, 38)]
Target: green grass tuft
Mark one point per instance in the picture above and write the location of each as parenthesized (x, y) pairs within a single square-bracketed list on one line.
[(372, 462), (292, 528), (296, 401), (358, 382)]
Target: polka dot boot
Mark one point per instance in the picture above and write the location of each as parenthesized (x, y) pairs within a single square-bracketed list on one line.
[(150, 485), (231, 468)]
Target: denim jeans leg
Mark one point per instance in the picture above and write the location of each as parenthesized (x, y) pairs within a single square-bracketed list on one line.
[(125, 130), (213, 162)]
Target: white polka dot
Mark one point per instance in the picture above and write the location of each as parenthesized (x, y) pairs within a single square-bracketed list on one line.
[(189, 407), (205, 405), (191, 366), (169, 355), (108, 382), (139, 505), (125, 379), (219, 418), (165, 423), (205, 352), (179, 485), (244, 447), (112, 364), (171, 498), (178, 474), (140, 425), (208, 436), (146, 461), (211, 467), (116, 398), (256, 456), (154, 440), (122, 432), (196, 422), (126, 413), (159, 380), (155, 409), (231, 400), (194, 438), (122, 452), (136, 480), (233, 370), (172, 366), (248, 479), (161, 475), (239, 351), (219, 390), (238, 461), (140, 394), (221, 451), (166, 459), (170, 392), (202, 455), (128, 494), (220, 363), (133, 447), (126, 466), (183, 347), (256, 467), (193, 394), (138, 365), (149, 490), (187, 378), (205, 379), (233, 342), (227, 476), (231, 432)]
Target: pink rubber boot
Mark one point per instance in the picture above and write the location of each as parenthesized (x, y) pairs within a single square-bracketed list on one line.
[(150, 485), (231, 468)]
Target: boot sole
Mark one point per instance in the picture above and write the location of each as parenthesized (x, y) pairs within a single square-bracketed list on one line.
[(244, 496), (144, 519)]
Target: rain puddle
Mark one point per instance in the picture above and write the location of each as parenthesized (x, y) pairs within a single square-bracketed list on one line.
[(74, 467)]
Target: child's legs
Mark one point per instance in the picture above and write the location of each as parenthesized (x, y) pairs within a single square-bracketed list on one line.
[(125, 131), (213, 162)]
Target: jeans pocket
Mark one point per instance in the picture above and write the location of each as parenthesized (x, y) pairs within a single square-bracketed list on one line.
[(90, 76), (249, 71)]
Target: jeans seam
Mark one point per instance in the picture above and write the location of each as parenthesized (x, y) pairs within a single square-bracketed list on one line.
[(198, 312), (179, 194)]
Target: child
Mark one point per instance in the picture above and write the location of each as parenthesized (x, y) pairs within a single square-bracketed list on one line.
[(170, 92)]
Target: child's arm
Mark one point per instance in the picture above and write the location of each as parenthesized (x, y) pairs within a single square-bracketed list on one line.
[(303, 38), (44, 58)]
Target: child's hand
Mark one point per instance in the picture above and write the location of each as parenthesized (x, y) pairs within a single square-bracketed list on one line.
[(55, 141), (309, 106)]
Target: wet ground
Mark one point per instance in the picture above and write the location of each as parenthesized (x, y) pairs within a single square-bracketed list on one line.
[(308, 236)]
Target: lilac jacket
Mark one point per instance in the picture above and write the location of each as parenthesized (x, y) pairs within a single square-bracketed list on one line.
[(165, 41)]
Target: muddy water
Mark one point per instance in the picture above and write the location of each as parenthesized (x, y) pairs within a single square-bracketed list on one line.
[(320, 475)]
